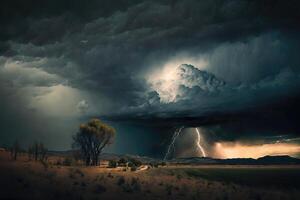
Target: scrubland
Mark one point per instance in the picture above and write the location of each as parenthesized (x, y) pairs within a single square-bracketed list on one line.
[(26, 179)]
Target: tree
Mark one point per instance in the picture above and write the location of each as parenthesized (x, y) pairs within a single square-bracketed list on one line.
[(37, 151), (15, 150), (112, 164), (42, 151), (122, 162), (91, 138), (30, 151)]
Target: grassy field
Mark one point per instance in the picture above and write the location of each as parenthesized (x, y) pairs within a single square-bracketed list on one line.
[(254, 176), (24, 179)]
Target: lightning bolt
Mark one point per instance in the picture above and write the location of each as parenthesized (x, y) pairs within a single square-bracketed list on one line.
[(198, 143), (174, 137)]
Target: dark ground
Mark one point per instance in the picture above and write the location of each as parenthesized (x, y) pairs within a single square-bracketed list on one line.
[(25, 179)]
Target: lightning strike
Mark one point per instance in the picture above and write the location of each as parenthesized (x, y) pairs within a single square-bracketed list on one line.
[(198, 143), (172, 144)]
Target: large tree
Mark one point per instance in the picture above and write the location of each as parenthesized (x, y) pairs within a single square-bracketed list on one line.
[(91, 138)]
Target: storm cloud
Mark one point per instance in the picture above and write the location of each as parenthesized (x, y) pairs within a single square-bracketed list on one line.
[(227, 57)]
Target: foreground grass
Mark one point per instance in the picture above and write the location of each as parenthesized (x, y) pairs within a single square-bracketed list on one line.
[(34, 180), (255, 177)]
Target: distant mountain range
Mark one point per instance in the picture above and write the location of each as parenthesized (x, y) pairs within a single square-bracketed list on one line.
[(266, 160)]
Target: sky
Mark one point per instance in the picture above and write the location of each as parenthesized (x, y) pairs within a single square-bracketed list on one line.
[(147, 68)]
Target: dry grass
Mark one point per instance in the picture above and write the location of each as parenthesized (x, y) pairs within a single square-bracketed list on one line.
[(25, 179)]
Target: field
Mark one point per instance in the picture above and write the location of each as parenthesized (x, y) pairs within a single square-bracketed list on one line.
[(24, 179)]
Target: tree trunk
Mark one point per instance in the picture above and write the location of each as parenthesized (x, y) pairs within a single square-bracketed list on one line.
[(96, 159), (88, 161), (15, 155), (36, 152)]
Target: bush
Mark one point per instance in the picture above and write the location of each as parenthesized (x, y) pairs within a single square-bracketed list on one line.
[(121, 181), (122, 162), (153, 164), (135, 162), (135, 184), (112, 164), (68, 161), (133, 168), (130, 164), (109, 175)]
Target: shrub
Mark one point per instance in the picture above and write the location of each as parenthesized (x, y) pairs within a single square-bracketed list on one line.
[(136, 162), (68, 161), (135, 184), (122, 162), (154, 164), (112, 164), (109, 175), (121, 181), (133, 168), (130, 164)]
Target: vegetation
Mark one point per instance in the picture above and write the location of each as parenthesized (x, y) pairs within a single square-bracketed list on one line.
[(68, 161), (243, 176), (122, 162), (27, 179), (112, 164), (133, 168), (121, 180), (134, 162), (37, 151), (15, 150), (91, 138), (133, 186)]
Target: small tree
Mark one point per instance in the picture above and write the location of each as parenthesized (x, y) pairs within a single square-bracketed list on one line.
[(42, 151), (15, 150), (122, 162), (38, 151), (30, 152), (112, 164), (91, 138)]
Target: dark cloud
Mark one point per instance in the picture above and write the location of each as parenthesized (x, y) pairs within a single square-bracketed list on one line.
[(241, 56)]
